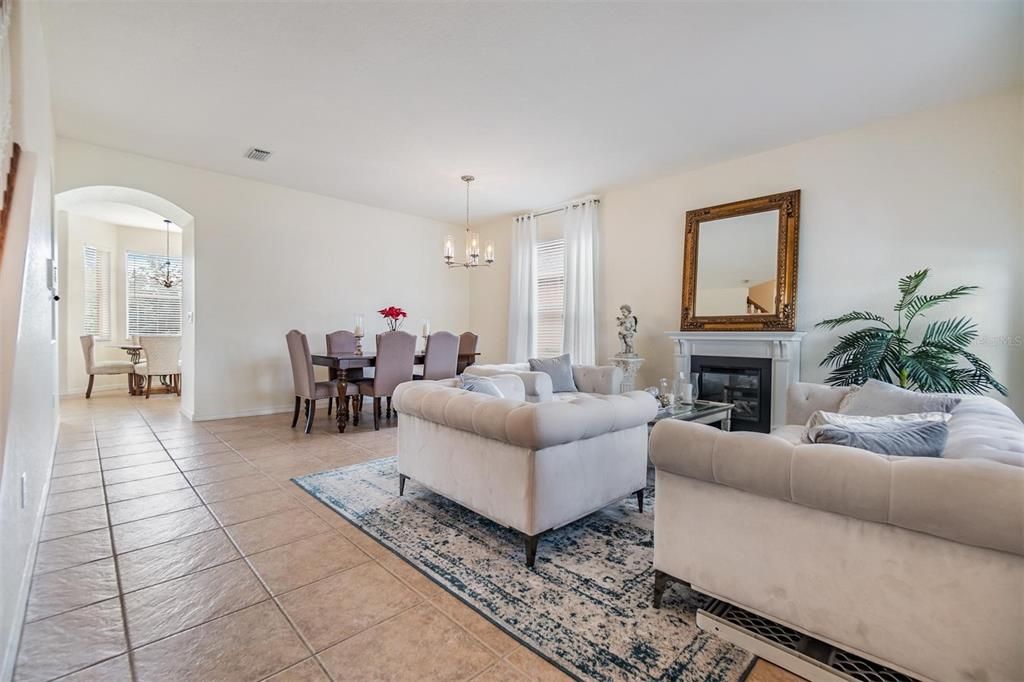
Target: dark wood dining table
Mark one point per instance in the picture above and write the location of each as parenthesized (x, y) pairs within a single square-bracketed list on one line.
[(341, 363)]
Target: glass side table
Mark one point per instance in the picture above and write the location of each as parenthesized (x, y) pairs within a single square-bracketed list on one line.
[(701, 412)]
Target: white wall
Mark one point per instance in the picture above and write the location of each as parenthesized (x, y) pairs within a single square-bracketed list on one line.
[(75, 232), (268, 259), (939, 189), (28, 349)]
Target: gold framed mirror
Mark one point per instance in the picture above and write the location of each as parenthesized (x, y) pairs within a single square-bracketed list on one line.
[(740, 265)]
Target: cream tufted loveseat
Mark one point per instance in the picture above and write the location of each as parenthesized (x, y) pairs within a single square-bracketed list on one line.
[(528, 466), (915, 562)]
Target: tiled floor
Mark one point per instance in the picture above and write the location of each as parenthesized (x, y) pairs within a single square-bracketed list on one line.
[(174, 550)]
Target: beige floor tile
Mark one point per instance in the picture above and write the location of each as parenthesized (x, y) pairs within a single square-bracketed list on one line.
[(75, 456), (345, 603), (535, 667), (189, 451), (254, 506), (412, 576), (278, 529), (170, 607), (116, 669), (79, 499), (125, 461), (306, 671), (72, 550), (247, 645), (138, 473), (118, 439), (299, 563), (153, 531), (184, 441), (73, 522), (419, 644), (153, 505), (88, 466), (236, 487), (500, 672), (73, 445), (174, 559), (148, 486), (67, 484), (220, 473), (71, 641), (211, 460), (491, 635), (255, 453), (71, 588), (109, 451)]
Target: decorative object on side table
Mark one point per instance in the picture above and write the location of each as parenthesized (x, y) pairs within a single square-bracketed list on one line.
[(627, 360), (884, 351), (394, 317)]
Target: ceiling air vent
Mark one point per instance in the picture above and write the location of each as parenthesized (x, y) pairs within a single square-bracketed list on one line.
[(257, 154)]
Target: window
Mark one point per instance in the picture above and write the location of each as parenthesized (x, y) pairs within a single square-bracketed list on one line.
[(550, 297), (152, 308), (96, 315)]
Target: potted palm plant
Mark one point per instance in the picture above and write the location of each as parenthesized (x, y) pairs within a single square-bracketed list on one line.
[(940, 361)]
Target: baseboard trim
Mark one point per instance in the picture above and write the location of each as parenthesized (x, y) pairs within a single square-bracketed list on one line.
[(254, 412), (14, 641)]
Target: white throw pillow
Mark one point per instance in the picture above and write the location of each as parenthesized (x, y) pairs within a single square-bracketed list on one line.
[(879, 399)]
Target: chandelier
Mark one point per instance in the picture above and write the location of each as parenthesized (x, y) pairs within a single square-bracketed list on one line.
[(165, 275), (473, 259)]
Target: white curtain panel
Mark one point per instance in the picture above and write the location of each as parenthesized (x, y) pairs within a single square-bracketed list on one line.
[(580, 335), (522, 299)]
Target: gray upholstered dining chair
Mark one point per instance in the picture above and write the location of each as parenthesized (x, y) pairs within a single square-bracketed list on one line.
[(467, 349), (441, 359), (342, 341), (396, 355), (162, 358), (92, 368), (306, 386)]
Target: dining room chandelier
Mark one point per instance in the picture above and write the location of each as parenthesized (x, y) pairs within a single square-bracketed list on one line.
[(165, 275), (473, 256)]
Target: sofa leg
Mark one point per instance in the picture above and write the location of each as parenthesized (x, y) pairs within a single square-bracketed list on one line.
[(640, 500), (661, 581), (531, 549), (402, 478)]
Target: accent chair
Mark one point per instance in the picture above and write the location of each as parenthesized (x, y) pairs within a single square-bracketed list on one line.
[(92, 368), (467, 349), (307, 388), (441, 358), (161, 359)]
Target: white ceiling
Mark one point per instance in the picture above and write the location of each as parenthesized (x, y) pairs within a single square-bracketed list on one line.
[(389, 103), (122, 214)]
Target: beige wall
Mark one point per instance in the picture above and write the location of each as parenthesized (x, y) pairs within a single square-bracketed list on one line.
[(268, 259), (939, 189), (77, 231)]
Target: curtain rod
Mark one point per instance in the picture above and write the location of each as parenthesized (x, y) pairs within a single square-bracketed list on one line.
[(560, 207)]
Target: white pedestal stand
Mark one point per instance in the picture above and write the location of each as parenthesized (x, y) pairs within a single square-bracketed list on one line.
[(629, 364)]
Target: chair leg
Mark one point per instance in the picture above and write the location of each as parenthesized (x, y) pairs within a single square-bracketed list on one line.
[(330, 401), (310, 414), (357, 405), (131, 384), (88, 389), (388, 413), (640, 500), (376, 414), (295, 415), (402, 478), (149, 385)]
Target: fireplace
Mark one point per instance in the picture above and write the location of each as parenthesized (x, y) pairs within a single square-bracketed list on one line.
[(744, 382)]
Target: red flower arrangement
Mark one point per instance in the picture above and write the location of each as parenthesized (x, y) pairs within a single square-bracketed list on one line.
[(393, 316)]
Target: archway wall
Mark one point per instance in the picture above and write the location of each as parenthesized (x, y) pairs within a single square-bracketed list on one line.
[(267, 259), (66, 203)]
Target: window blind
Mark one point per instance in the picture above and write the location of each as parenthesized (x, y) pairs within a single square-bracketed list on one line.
[(550, 297), (96, 315), (152, 308)]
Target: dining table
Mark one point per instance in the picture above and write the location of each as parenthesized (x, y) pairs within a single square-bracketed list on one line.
[(341, 363)]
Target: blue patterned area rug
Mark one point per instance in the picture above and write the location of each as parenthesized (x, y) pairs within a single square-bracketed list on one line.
[(586, 606)]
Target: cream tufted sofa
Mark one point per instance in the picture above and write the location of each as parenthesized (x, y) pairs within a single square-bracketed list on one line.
[(604, 380), (914, 562), (528, 466)]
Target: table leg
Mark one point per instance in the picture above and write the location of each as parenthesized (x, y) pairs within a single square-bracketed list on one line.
[(343, 402), (727, 422)]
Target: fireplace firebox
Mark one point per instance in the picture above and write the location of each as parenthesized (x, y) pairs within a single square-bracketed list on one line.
[(744, 382)]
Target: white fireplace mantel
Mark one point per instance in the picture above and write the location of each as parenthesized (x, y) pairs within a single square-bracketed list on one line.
[(783, 348)]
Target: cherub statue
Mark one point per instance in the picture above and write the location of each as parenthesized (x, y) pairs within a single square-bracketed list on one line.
[(627, 330)]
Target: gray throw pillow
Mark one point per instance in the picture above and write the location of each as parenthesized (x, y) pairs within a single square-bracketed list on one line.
[(878, 399), (560, 371), (910, 439), (483, 385)]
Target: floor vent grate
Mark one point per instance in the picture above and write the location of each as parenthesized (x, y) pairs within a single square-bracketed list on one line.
[(792, 646)]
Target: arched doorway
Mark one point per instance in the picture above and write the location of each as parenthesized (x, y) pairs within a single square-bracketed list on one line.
[(126, 204)]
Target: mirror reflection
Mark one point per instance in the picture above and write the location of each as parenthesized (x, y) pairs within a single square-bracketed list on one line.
[(737, 265)]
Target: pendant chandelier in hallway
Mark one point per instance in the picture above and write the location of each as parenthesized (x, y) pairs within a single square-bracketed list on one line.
[(473, 255)]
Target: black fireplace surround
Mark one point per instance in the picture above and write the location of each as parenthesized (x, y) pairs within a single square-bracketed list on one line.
[(744, 382)]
